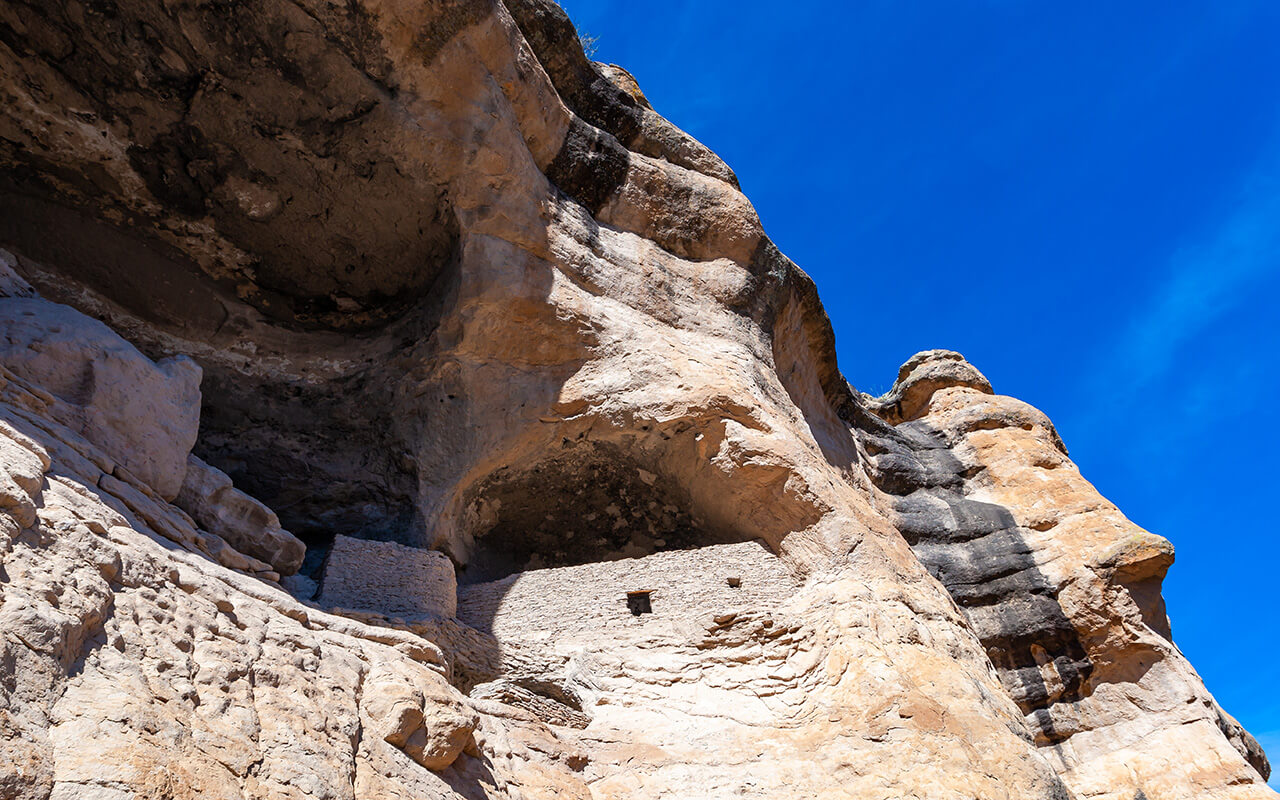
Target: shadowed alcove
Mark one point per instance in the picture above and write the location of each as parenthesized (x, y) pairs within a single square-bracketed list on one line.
[(591, 501)]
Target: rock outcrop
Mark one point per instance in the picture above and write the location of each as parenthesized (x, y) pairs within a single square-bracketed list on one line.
[(146, 414), (1063, 591), (208, 495), (414, 299)]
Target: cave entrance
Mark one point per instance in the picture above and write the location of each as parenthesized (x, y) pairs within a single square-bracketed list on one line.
[(589, 502)]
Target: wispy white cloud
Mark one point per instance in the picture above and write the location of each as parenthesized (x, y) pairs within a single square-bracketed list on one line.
[(1207, 279)]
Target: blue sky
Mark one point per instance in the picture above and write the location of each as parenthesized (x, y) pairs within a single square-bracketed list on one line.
[(1082, 198)]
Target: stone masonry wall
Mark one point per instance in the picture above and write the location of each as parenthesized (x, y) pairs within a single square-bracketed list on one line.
[(388, 578), (593, 597)]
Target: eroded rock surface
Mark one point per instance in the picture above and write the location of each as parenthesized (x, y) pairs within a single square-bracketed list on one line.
[(145, 414), (211, 499), (433, 287), (1065, 593)]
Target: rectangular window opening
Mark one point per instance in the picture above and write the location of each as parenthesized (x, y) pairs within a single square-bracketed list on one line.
[(638, 602)]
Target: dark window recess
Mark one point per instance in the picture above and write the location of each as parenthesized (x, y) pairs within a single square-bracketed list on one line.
[(735, 582), (639, 603)]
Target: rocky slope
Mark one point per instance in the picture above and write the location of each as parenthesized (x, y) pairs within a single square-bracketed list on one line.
[(423, 277)]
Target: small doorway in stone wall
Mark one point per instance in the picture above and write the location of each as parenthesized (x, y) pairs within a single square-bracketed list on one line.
[(639, 602)]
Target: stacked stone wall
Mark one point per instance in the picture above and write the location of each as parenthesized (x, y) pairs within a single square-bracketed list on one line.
[(593, 597), (388, 578)]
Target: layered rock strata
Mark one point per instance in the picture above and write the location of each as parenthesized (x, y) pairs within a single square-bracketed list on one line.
[(421, 275), (1063, 591)]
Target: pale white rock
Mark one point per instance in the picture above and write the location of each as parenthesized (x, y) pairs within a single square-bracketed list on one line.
[(137, 669), (144, 414)]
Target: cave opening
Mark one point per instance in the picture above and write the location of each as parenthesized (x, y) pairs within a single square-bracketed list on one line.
[(589, 502)]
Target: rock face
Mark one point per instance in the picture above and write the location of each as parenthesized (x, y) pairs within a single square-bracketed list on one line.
[(441, 297), (145, 414), (209, 497), (1063, 591)]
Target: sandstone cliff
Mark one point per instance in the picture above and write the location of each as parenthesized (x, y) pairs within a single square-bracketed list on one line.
[(359, 361)]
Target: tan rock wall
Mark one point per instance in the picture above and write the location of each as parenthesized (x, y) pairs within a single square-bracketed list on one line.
[(1118, 710)]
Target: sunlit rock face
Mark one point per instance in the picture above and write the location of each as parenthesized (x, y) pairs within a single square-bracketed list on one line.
[(423, 277)]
